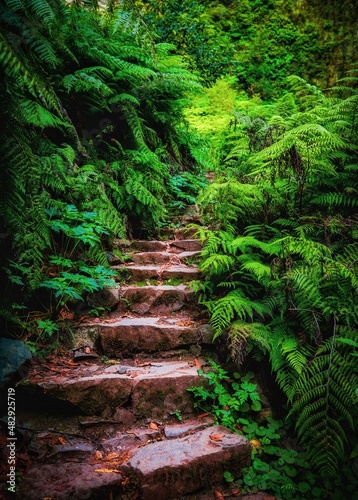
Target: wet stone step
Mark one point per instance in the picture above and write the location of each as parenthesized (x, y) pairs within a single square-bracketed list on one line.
[(163, 257), (162, 299), (150, 334), (143, 272), (154, 390)]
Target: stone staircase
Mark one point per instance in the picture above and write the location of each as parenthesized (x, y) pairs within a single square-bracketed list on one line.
[(121, 424)]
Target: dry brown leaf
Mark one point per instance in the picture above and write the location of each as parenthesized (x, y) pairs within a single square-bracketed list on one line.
[(108, 471), (217, 437), (98, 455), (202, 415), (112, 456), (153, 426), (87, 350), (197, 363), (235, 493), (218, 495), (61, 440)]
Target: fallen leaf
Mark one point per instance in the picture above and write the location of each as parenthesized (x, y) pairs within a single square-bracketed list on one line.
[(197, 363), (108, 471), (235, 493), (61, 440), (256, 444), (87, 350), (98, 455), (202, 415), (217, 437), (112, 456), (153, 426), (219, 495)]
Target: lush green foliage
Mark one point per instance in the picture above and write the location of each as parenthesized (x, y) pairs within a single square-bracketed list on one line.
[(234, 401), (92, 134), (280, 256), (260, 42), (95, 145)]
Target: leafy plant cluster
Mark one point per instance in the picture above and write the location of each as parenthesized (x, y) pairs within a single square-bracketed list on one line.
[(276, 468), (92, 136), (259, 42), (280, 257)]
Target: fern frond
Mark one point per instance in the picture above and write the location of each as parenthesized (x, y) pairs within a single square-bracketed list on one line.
[(234, 304), (326, 398)]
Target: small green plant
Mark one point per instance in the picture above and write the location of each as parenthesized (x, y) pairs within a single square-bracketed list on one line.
[(228, 477), (42, 335), (227, 400), (177, 414), (72, 284)]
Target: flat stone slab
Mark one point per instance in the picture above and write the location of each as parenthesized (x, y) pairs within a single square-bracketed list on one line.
[(177, 245), (70, 481), (170, 469), (161, 299), (143, 272), (140, 464), (186, 245), (149, 246), (150, 334), (162, 257), (153, 390)]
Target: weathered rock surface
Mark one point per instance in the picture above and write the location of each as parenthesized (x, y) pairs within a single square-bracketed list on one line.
[(14, 355), (151, 334), (70, 481), (159, 258), (150, 299), (142, 464), (154, 390), (185, 245), (175, 246), (165, 272), (170, 469)]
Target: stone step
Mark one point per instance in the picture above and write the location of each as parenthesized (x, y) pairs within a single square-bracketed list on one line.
[(151, 391), (143, 464), (150, 334), (163, 257), (179, 233), (175, 246), (164, 272), (161, 299), (172, 468)]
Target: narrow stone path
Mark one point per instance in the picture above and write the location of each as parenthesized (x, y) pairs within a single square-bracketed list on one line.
[(122, 425)]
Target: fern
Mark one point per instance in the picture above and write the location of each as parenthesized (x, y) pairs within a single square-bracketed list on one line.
[(326, 401), (233, 305)]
